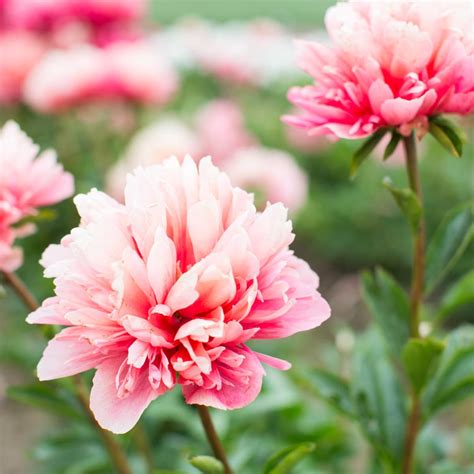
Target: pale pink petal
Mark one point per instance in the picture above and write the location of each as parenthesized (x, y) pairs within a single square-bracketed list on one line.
[(48, 313), (161, 265), (398, 111), (65, 356), (379, 93), (115, 414), (274, 362), (238, 393)]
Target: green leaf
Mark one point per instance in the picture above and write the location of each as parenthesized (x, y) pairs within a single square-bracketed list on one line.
[(448, 135), (283, 461), (392, 146), (419, 357), (364, 151), (207, 464), (459, 294), (448, 244), (378, 394), (328, 386), (454, 376), (407, 201), (389, 306), (48, 397)]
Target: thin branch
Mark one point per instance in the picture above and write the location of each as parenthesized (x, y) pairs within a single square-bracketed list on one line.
[(21, 290)]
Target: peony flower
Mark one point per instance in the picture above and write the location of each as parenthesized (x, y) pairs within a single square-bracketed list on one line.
[(151, 146), (121, 71), (20, 52), (221, 128), (393, 64), (272, 174), (169, 288), (44, 15), (27, 182)]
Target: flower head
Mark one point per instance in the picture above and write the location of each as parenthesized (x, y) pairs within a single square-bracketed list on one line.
[(272, 174), (20, 52), (392, 64), (151, 146), (169, 288), (27, 182), (44, 15), (221, 127), (120, 71)]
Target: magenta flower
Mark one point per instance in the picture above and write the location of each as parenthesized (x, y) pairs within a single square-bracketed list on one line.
[(44, 15), (393, 64), (27, 182), (170, 288)]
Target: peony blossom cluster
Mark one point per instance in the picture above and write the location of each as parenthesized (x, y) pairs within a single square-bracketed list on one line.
[(219, 131), (119, 71), (47, 35), (169, 288), (392, 64), (27, 182), (50, 15)]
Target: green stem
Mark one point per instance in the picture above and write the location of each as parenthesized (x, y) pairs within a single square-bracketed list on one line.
[(113, 447), (213, 438), (416, 294), (418, 267)]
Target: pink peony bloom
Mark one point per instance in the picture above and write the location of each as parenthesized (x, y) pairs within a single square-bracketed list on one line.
[(169, 288), (273, 174), (393, 64), (151, 146), (20, 51), (221, 128), (27, 181), (121, 71), (45, 15)]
